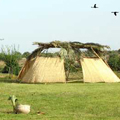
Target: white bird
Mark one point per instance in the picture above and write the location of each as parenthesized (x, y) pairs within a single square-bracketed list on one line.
[(19, 108)]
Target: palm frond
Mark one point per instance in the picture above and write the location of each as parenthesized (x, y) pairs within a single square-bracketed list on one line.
[(35, 53), (71, 47)]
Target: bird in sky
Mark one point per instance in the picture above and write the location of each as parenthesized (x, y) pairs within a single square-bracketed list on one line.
[(94, 6), (1, 38), (115, 13)]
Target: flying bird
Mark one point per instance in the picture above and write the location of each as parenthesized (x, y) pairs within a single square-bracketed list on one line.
[(115, 13), (94, 6)]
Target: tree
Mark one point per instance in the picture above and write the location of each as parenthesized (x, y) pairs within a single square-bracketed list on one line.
[(119, 51), (11, 56), (114, 61), (25, 54)]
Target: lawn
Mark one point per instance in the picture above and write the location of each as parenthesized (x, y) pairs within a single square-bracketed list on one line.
[(71, 101)]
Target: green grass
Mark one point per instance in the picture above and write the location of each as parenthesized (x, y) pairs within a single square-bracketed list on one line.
[(71, 101)]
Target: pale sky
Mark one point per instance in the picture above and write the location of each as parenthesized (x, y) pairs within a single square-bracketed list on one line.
[(23, 22)]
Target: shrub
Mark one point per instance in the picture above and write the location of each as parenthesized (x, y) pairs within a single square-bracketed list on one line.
[(114, 61), (11, 56), (25, 54)]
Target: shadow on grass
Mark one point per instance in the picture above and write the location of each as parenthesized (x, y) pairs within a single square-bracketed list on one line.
[(75, 81), (7, 112), (19, 82), (9, 81), (6, 80), (67, 82)]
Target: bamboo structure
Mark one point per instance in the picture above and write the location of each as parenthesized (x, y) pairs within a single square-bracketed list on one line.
[(76, 46), (39, 69), (96, 70), (43, 70)]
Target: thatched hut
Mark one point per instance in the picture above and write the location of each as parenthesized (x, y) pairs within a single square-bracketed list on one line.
[(47, 69)]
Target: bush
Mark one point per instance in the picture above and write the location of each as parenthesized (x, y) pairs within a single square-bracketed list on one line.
[(114, 62), (11, 56), (25, 54)]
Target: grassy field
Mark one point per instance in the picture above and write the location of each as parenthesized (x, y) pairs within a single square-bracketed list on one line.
[(71, 101)]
